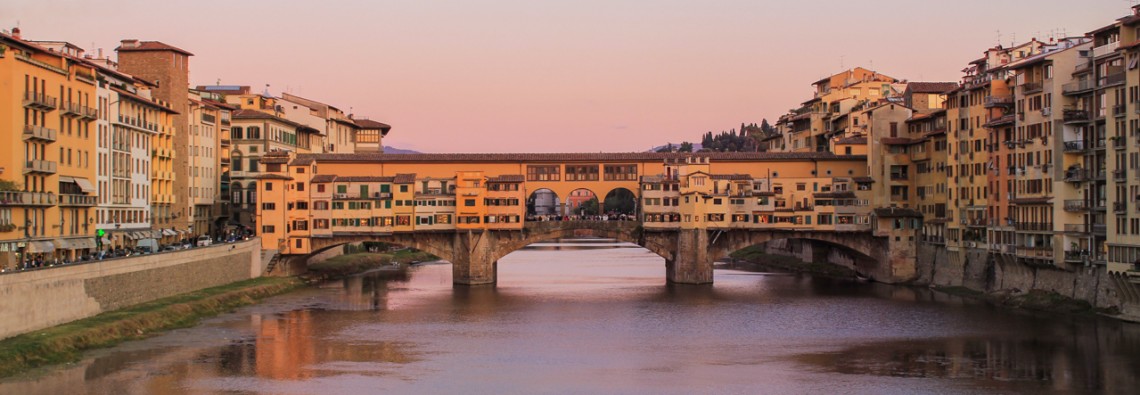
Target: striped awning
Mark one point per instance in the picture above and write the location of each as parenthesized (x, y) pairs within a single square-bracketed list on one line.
[(38, 247)]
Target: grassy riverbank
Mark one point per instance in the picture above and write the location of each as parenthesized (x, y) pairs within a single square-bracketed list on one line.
[(64, 343), (757, 256), (346, 265)]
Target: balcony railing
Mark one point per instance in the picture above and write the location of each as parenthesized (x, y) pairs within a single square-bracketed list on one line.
[(1100, 228), (1120, 207), (1111, 79), (1033, 226), (39, 166), (1076, 228), (77, 200), (1119, 175), (21, 198), (1119, 110), (1035, 251), (36, 132), (1071, 115), (78, 110), (999, 101), (1029, 87), (39, 101), (1119, 143), (1077, 175), (1076, 205), (1105, 49), (1077, 87), (1075, 146), (1076, 256)]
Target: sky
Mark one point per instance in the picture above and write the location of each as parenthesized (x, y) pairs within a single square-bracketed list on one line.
[(558, 76)]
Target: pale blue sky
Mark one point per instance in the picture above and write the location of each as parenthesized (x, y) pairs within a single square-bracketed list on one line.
[(555, 76)]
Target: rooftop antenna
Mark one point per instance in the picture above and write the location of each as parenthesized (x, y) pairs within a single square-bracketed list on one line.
[(219, 82), (841, 65), (999, 36)]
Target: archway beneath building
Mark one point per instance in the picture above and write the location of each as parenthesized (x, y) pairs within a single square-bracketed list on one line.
[(582, 202), (620, 201), (543, 202)]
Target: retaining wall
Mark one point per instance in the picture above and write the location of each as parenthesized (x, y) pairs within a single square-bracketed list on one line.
[(37, 299)]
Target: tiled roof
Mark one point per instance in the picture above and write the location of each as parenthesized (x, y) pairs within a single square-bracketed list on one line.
[(370, 124), (895, 140), (931, 87), (405, 178), (836, 195), (254, 114), (852, 140), (895, 212), (578, 157), (507, 178), (148, 102), (863, 179), (302, 161), (152, 46), (274, 160), (323, 178), (271, 176), (368, 179)]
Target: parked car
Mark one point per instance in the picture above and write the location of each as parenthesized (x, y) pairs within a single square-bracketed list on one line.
[(204, 240)]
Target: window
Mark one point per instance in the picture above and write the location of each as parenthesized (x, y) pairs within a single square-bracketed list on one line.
[(267, 229), (469, 202), (268, 206), (269, 186), (543, 173)]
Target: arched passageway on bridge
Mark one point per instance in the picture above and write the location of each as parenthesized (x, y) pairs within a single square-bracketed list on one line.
[(620, 201), (543, 202), (582, 201)]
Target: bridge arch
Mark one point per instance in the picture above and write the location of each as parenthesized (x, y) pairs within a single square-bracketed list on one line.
[(624, 231), (867, 253)]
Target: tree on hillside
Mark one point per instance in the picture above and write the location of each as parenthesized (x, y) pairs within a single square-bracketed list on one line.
[(686, 147)]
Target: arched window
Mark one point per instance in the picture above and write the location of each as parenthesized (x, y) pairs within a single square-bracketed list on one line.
[(237, 193), (251, 193), (235, 133)]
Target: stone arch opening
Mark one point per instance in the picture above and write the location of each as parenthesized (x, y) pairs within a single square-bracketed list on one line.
[(583, 201), (543, 201), (816, 251), (620, 201)]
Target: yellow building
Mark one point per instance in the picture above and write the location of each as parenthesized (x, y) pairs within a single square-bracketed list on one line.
[(47, 107)]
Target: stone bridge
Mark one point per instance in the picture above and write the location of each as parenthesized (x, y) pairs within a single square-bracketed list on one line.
[(689, 253)]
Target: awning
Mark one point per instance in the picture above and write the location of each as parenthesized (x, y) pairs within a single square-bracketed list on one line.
[(38, 247), (63, 244), (83, 184), (168, 232), (86, 242)]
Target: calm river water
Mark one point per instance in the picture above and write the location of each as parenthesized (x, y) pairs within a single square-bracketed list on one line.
[(596, 317)]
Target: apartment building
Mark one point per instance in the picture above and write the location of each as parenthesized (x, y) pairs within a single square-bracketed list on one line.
[(47, 109)]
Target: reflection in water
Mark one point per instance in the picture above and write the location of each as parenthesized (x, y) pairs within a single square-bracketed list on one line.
[(591, 316)]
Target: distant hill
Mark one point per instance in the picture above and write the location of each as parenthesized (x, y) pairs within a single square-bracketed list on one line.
[(393, 150), (696, 147)]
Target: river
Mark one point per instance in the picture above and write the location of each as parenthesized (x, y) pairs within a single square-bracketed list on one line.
[(591, 316)]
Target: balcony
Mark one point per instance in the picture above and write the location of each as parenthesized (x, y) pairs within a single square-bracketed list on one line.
[(1033, 226), (1100, 229), (377, 195), (1111, 79), (1119, 110), (1120, 207), (1077, 175), (77, 200), (40, 133), (1034, 251), (1099, 204), (1105, 49), (1030, 87), (209, 118), (1076, 228), (39, 166), (1076, 205), (1075, 88), (1119, 143), (225, 142), (1119, 175), (899, 177), (39, 101), (81, 111), (1075, 116), (20, 198), (1076, 256), (1077, 146), (999, 101)]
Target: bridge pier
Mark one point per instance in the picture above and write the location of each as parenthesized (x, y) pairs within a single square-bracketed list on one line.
[(691, 263), (472, 259)]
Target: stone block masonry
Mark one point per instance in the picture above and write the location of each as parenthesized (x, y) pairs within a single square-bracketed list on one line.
[(39, 299)]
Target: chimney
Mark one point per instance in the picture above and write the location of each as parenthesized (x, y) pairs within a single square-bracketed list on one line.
[(100, 53), (16, 33), (131, 43)]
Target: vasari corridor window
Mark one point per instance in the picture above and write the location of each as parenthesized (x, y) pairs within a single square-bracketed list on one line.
[(581, 172), (543, 173), (620, 172)]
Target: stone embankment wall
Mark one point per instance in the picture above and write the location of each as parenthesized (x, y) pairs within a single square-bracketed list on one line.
[(981, 271), (37, 299)]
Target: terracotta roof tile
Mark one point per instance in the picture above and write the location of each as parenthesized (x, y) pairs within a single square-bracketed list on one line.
[(862, 179), (578, 157), (152, 46), (323, 178), (931, 87), (369, 179), (733, 177), (271, 176), (274, 160), (895, 140), (405, 178), (852, 140)]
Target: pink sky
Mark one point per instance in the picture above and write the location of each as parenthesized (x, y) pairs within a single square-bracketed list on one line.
[(558, 76)]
